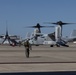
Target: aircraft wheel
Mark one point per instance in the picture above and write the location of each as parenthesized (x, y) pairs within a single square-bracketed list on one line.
[(51, 45)]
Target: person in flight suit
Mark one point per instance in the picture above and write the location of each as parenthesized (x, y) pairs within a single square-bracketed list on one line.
[(28, 47)]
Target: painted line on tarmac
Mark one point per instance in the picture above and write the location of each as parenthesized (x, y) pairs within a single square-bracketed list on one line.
[(33, 62)]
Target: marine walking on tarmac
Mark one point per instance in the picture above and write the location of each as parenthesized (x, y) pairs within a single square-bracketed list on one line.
[(28, 47)]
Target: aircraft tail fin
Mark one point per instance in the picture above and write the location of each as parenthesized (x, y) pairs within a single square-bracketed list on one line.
[(52, 36)]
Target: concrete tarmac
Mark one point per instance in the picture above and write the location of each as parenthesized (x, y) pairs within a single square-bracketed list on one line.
[(42, 59)]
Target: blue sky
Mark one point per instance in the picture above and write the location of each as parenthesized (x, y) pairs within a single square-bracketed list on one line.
[(22, 13)]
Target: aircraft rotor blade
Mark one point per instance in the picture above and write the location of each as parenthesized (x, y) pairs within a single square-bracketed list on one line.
[(58, 23), (49, 23), (4, 40), (9, 41), (68, 23), (38, 26)]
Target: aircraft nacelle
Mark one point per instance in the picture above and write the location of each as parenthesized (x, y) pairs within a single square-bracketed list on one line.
[(36, 31)]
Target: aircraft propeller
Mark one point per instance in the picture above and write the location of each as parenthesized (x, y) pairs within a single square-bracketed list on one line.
[(59, 23), (38, 26), (7, 37)]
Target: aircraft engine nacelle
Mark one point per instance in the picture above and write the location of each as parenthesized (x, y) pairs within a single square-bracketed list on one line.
[(58, 33), (36, 31)]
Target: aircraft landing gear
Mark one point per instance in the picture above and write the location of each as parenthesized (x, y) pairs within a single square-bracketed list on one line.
[(51, 45), (57, 45)]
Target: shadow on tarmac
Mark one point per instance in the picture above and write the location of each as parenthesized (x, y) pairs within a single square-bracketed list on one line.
[(42, 73)]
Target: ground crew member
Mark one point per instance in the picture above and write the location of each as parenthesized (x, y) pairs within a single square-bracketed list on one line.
[(27, 48)]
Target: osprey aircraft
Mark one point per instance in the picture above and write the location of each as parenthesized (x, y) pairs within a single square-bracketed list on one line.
[(37, 30), (37, 37), (58, 34), (53, 39), (11, 39)]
